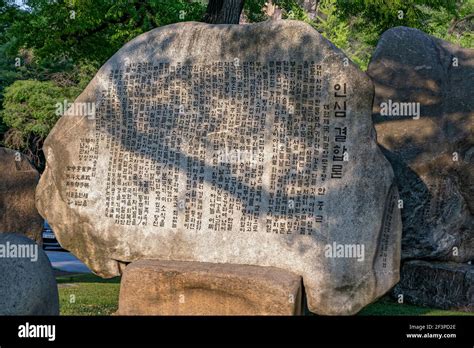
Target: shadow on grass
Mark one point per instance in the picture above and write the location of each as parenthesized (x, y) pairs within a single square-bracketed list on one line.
[(86, 278), (388, 306)]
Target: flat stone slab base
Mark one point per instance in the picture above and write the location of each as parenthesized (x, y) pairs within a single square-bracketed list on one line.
[(154, 287), (445, 285)]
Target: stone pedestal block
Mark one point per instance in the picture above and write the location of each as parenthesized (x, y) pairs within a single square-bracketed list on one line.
[(153, 287)]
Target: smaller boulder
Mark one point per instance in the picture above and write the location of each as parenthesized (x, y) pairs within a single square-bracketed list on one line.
[(27, 283), (423, 113), (18, 180)]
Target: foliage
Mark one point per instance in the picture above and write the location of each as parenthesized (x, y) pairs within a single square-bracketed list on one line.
[(93, 30), (331, 26), (453, 28), (7, 76), (29, 109), (253, 10), (368, 19), (387, 14)]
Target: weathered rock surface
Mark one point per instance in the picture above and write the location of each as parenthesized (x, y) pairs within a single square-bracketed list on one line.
[(230, 144), (432, 156), (27, 283), (152, 287), (446, 285), (18, 180)]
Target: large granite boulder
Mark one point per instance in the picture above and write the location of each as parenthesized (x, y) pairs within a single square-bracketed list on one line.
[(446, 285), (233, 144), (430, 143), (18, 180), (27, 283)]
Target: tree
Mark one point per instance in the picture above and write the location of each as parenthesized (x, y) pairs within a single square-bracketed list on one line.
[(223, 11), (30, 111), (92, 30)]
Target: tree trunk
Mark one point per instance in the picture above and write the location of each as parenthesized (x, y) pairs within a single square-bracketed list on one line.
[(223, 11)]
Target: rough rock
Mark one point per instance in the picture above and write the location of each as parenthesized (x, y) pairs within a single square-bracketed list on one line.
[(446, 285), (18, 180), (431, 153), (152, 287), (27, 283), (249, 144)]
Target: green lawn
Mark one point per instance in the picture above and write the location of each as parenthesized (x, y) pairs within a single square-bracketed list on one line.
[(386, 306), (87, 294)]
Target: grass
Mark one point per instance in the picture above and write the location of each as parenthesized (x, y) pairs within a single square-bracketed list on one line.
[(387, 306), (87, 294)]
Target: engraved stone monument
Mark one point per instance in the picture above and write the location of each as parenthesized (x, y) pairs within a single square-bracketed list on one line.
[(229, 144)]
